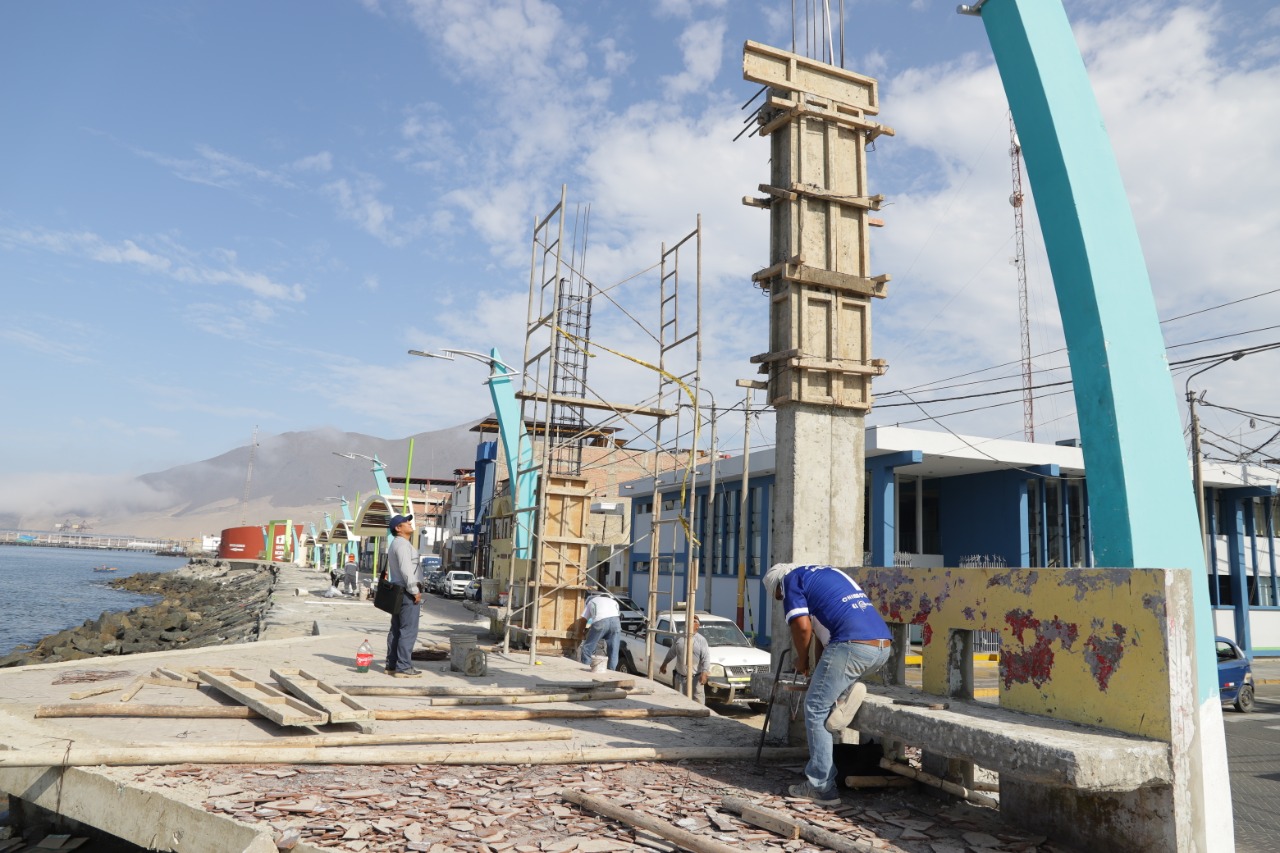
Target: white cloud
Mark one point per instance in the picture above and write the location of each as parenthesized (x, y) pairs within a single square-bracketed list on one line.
[(64, 347), (167, 259), (321, 162), (616, 60), (685, 8), (357, 201), (702, 46), (1204, 209)]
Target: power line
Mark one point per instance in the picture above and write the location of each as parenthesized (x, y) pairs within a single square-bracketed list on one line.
[(925, 385), (1187, 362)]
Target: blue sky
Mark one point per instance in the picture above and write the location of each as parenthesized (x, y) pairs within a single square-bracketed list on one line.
[(216, 214)]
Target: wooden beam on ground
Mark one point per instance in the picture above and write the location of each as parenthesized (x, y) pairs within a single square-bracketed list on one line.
[(184, 684), (96, 691), (878, 782), (381, 740), (784, 824), (276, 706), (88, 756), (940, 783), (632, 818), (340, 707), (538, 713), (464, 690), (583, 696), (109, 709), (132, 689)]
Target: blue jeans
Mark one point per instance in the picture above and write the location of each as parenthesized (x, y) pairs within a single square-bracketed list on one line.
[(608, 629), (403, 635), (839, 667)]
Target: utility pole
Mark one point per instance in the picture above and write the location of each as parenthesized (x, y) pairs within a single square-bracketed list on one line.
[(1197, 473), (745, 502)]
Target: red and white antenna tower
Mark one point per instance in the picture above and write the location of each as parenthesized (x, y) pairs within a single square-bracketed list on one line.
[(1020, 261)]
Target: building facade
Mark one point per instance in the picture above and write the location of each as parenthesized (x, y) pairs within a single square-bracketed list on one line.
[(942, 500)]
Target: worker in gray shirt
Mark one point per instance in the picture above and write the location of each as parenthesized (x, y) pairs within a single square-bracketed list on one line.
[(404, 569), (701, 663)]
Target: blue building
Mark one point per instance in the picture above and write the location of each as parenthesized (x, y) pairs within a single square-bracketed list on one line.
[(937, 499)]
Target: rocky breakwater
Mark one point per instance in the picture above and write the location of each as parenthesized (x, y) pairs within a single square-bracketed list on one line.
[(206, 603)]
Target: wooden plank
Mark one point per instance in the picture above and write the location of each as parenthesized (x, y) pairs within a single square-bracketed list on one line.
[(117, 709), (340, 707), (792, 72), (97, 691), (463, 690), (276, 706), (770, 820), (792, 828), (88, 756), (586, 403), (539, 713), (133, 689), (636, 818), (169, 682), (580, 696)]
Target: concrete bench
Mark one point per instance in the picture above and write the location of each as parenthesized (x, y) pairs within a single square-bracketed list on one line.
[(1027, 747)]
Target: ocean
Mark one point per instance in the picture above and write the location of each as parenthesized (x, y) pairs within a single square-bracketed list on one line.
[(46, 590)]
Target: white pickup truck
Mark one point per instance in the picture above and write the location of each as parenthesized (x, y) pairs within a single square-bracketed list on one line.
[(733, 658)]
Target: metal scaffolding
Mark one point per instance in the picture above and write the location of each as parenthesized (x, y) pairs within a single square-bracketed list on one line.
[(564, 414)]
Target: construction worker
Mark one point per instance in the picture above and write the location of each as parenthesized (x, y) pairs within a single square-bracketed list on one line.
[(701, 662), (822, 600), (351, 576)]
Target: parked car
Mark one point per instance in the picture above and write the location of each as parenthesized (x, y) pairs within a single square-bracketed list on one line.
[(472, 592), (433, 581), (1235, 675), (733, 658), (454, 583), (630, 614)]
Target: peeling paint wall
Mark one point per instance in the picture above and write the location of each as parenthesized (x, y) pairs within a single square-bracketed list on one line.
[(1087, 645)]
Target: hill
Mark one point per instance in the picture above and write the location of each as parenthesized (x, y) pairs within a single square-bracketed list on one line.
[(293, 473)]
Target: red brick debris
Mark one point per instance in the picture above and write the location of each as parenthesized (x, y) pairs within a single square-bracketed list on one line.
[(486, 809)]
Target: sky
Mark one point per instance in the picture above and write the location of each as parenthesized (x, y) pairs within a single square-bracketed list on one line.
[(217, 215)]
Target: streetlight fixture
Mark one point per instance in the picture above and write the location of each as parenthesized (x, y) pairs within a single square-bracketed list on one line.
[(449, 355), (1196, 465)]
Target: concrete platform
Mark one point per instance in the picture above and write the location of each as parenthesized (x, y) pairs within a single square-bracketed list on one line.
[(121, 800)]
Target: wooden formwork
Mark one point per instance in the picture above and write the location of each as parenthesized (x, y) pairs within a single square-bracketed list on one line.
[(819, 281), (563, 560)]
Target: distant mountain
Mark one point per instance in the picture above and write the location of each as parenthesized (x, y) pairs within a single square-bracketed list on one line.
[(292, 474)]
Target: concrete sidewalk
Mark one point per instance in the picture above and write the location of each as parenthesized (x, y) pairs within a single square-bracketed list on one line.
[(506, 803)]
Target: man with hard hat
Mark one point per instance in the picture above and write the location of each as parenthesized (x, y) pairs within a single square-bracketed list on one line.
[(823, 601)]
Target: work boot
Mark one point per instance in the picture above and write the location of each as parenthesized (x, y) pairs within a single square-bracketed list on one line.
[(406, 673), (846, 706), (805, 791)]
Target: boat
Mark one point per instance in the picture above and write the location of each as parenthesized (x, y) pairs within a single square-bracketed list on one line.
[(106, 568)]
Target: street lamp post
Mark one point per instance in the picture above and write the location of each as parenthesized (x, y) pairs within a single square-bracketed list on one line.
[(1196, 464)]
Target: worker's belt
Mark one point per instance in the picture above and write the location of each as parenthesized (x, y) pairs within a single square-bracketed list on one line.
[(879, 644)]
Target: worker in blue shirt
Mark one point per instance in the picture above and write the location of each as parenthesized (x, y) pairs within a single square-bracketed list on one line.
[(823, 601)]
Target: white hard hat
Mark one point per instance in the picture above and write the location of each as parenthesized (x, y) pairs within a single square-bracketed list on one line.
[(774, 576)]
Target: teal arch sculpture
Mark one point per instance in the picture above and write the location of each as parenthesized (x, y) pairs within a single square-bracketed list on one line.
[(1140, 493)]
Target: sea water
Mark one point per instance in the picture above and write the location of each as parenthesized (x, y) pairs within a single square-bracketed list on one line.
[(46, 590)]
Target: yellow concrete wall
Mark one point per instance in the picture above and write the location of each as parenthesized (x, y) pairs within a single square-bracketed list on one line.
[(1087, 645)]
